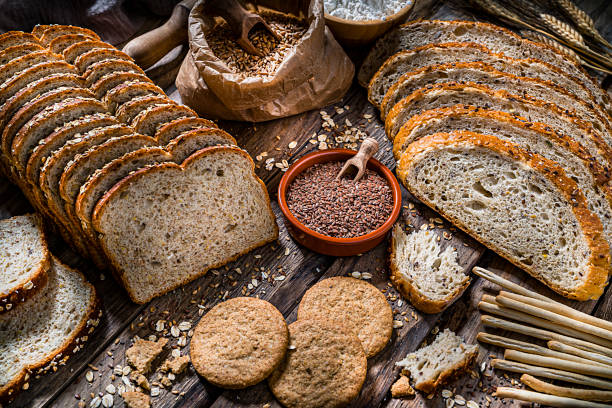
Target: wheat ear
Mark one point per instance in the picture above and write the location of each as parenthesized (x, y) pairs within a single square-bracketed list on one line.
[(532, 35), (582, 20), (563, 30), (496, 9)]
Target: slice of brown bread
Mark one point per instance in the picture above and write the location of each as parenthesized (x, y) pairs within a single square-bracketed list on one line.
[(228, 221), (13, 38), (435, 54), (83, 61), (75, 50), (519, 204), (20, 64), (16, 51), (128, 91), (147, 121), (450, 94), (170, 130), (483, 73), (39, 29), (25, 260), (109, 81), (577, 163), (36, 337), (98, 69), (130, 109), (59, 44), (54, 31)]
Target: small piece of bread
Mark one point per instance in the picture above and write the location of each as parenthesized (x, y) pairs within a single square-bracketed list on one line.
[(143, 352), (431, 278), (25, 260), (324, 367), (135, 399), (401, 388), (355, 304), (239, 342), (175, 365), (444, 358)]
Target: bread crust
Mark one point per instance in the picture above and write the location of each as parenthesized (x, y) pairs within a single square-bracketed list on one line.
[(124, 184), (113, 98), (13, 38), (109, 81), (596, 276), (94, 71), (60, 43), (72, 53), (83, 61), (430, 386), (148, 116), (16, 51), (12, 85), (57, 30)]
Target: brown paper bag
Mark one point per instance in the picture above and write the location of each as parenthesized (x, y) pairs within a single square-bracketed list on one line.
[(315, 73)]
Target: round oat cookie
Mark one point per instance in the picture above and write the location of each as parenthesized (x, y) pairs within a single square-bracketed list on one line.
[(325, 367), (239, 342), (354, 303)]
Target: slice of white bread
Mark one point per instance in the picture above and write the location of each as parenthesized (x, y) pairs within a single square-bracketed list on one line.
[(439, 362), (498, 39), (167, 224), (519, 204), (435, 54), (25, 260), (431, 278), (46, 330), (469, 93)]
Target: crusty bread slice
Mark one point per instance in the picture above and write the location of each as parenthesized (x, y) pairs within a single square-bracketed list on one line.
[(18, 51), (223, 203), (499, 40), (20, 80), (13, 38), (20, 64), (25, 260), (130, 109), (54, 324), (75, 50), (519, 204), (484, 73), (128, 91), (431, 278), (439, 362), (83, 61), (436, 54), (147, 121), (56, 30), (98, 69), (450, 94), (535, 137), (170, 130), (110, 81), (39, 29), (59, 44)]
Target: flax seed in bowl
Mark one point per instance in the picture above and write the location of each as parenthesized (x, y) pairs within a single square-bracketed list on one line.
[(338, 217)]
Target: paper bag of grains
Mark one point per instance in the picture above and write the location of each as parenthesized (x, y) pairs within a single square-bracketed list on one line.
[(306, 69)]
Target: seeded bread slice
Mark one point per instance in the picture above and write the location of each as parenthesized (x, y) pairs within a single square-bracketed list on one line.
[(439, 362), (519, 204), (170, 130), (83, 61), (499, 40), (75, 50), (128, 91), (534, 137), (130, 109), (18, 65), (435, 54), (48, 328), (225, 212), (450, 94), (16, 51), (25, 260), (147, 121), (483, 73), (13, 38), (54, 31), (110, 81), (98, 69), (39, 29), (17, 82)]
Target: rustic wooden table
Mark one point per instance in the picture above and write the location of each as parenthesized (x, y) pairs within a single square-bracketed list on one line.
[(290, 271)]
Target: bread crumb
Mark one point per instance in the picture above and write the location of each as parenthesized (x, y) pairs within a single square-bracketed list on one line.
[(165, 381), (135, 399), (143, 352), (175, 365), (140, 380), (401, 388)]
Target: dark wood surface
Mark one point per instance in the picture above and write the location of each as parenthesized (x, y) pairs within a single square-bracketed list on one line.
[(299, 268)]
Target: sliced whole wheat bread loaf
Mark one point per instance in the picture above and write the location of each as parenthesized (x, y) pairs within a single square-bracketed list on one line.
[(16, 51), (83, 61), (519, 204), (75, 50), (440, 361), (450, 94), (25, 260), (52, 325), (225, 212)]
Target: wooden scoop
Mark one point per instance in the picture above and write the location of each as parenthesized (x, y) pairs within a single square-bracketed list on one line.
[(360, 160), (239, 20)]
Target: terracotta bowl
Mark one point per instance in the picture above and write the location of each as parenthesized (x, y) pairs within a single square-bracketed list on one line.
[(355, 32), (324, 244)]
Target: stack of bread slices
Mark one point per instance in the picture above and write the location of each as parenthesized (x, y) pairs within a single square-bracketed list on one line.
[(131, 179), (47, 310), (509, 139)]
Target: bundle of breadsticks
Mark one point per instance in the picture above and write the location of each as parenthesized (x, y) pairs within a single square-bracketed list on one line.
[(579, 346)]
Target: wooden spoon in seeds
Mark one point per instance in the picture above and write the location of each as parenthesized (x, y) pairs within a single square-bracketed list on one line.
[(360, 160)]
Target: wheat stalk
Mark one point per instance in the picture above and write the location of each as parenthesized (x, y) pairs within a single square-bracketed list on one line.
[(532, 35), (495, 8), (582, 20), (563, 30)]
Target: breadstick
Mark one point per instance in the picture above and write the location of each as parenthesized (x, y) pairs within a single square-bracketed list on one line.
[(506, 284), (566, 348), (493, 321), (551, 373), (506, 301), (551, 362), (578, 393), (563, 310), (536, 321), (545, 399), (530, 348)]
